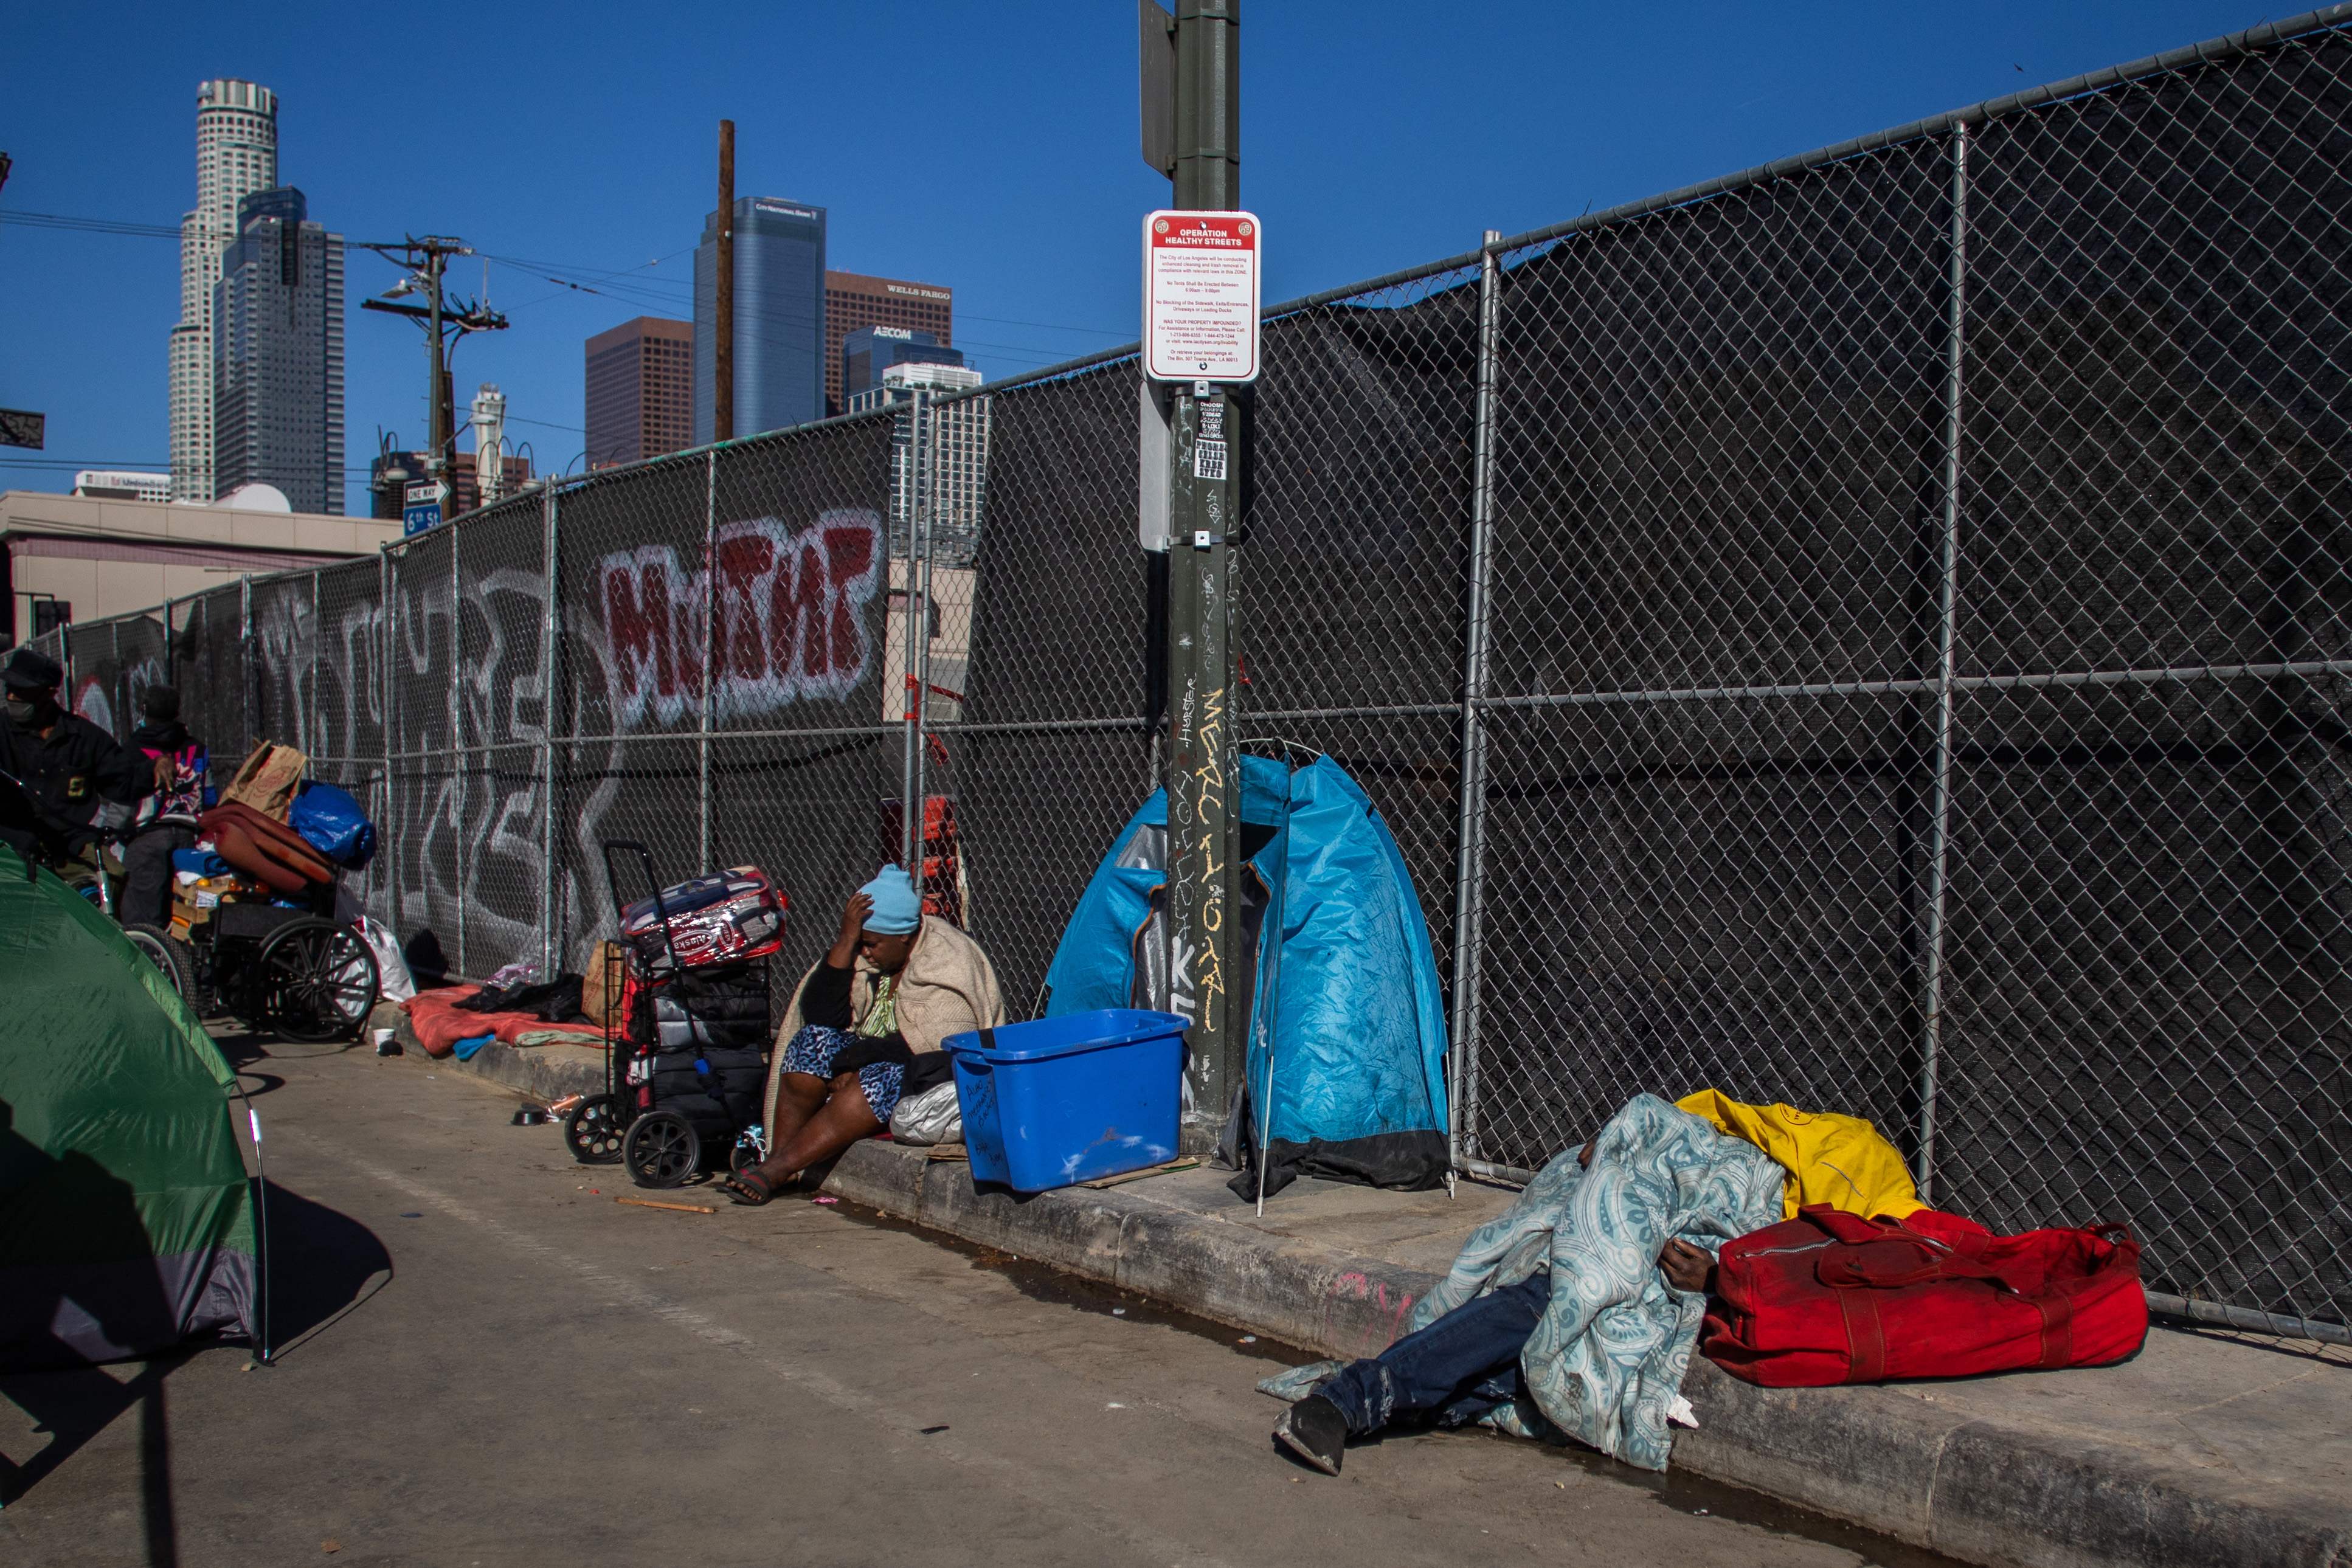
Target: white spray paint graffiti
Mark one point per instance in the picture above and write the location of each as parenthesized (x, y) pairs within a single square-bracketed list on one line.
[(791, 610)]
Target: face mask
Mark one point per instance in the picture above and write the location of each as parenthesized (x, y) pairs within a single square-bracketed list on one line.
[(21, 710)]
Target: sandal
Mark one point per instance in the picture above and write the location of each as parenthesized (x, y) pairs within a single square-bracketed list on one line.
[(748, 1187)]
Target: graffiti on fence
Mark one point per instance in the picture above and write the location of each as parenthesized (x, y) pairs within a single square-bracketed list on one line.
[(790, 608), (319, 690)]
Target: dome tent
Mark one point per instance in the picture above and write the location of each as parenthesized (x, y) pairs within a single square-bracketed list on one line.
[(1345, 1004), (126, 1221)]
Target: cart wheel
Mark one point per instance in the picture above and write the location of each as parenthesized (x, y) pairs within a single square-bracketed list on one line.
[(662, 1149), (593, 1130), (742, 1156), (315, 980), (171, 955)]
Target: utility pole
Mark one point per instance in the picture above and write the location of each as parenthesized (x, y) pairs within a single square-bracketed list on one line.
[(1206, 965), (722, 313), (445, 322)]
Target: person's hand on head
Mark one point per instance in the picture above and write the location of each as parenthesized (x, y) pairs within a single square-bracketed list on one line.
[(1686, 1267), (854, 914)]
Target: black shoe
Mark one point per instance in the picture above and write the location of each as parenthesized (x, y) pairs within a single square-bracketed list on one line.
[(1316, 1431)]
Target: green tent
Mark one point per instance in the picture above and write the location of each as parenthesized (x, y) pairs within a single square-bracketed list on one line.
[(126, 1222)]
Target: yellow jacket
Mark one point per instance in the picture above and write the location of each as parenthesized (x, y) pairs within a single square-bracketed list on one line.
[(1838, 1160)]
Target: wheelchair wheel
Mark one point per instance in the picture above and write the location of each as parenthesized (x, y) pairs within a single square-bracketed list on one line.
[(172, 956), (594, 1128), (662, 1149), (315, 980)]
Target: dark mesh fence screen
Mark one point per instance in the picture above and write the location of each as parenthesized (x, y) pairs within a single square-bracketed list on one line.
[(1871, 635)]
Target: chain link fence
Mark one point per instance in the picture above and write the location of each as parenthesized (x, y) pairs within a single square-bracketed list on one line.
[(1870, 633)]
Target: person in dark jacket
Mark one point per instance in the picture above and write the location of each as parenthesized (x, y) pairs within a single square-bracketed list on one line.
[(69, 770), (180, 762)]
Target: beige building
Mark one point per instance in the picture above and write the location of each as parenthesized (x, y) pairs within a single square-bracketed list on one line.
[(100, 556)]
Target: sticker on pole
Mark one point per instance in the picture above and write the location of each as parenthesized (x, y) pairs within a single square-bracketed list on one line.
[(1200, 296)]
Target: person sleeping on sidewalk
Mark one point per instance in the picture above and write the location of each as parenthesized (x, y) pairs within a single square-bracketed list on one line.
[(865, 1030), (1574, 1314)]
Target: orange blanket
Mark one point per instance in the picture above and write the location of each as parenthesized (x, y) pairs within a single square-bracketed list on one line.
[(440, 1023)]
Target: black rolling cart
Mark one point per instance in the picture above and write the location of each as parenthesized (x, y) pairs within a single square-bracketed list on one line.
[(686, 1050)]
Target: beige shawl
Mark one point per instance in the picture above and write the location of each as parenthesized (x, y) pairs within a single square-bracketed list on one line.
[(948, 988)]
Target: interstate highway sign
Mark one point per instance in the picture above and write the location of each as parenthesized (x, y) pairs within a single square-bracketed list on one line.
[(1200, 296)]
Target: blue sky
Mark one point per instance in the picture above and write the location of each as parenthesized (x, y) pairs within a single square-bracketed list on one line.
[(992, 149)]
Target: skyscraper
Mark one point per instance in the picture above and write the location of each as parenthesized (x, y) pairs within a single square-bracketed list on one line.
[(852, 299), (779, 316), (868, 351), (237, 154), (957, 439), (640, 390), (278, 355)]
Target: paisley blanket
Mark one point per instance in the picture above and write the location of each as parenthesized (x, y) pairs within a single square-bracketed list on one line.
[(1607, 1360)]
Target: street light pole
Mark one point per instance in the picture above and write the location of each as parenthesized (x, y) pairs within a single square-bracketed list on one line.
[(1206, 961), (444, 321), (437, 452)]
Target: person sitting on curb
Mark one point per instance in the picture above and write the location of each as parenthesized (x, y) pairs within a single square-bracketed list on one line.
[(865, 1030), (1573, 1313)]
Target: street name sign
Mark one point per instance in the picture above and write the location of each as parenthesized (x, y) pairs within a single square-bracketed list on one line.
[(420, 507), (1200, 296)]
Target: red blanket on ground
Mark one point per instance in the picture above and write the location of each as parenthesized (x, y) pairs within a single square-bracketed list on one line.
[(440, 1023), (1829, 1298)]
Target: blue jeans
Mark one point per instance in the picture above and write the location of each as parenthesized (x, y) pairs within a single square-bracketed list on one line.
[(1452, 1372)]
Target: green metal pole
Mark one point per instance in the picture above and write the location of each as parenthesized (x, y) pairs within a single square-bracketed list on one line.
[(1206, 963)]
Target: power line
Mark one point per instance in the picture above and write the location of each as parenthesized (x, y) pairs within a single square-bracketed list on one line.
[(13, 216)]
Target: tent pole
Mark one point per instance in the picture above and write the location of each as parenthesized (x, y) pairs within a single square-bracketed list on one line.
[(260, 1225)]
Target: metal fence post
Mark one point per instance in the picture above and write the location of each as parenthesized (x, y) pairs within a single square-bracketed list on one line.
[(458, 745), (905, 478), (245, 672), (926, 514), (1470, 827), (709, 646), (1932, 969), (387, 740), (551, 939)]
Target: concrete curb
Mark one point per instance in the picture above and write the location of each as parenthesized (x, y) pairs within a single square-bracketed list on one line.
[(1974, 1489)]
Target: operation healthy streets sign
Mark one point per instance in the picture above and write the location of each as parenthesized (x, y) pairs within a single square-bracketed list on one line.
[(1200, 296)]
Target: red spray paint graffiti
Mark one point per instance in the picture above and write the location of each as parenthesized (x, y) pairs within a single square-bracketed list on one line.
[(790, 618)]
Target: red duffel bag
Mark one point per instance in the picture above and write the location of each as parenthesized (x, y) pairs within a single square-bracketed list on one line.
[(1830, 1297)]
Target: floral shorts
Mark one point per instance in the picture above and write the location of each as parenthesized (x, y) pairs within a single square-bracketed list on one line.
[(815, 1050)]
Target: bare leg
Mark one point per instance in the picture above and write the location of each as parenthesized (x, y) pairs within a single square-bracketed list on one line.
[(799, 1096), (845, 1119)]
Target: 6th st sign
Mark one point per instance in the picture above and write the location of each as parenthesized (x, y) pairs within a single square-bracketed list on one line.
[(420, 507)]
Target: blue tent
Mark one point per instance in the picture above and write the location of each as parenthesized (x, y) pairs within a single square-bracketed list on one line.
[(1347, 998)]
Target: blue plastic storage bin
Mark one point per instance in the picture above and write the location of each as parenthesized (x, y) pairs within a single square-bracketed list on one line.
[(1070, 1099)]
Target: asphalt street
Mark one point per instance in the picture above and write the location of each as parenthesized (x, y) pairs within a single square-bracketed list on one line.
[(487, 1360)]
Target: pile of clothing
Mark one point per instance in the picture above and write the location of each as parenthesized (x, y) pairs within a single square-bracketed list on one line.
[(513, 1007)]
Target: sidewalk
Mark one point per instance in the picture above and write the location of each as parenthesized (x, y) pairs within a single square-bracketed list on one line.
[(2202, 1449)]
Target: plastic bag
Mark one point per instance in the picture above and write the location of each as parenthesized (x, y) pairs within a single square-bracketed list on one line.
[(333, 824), (391, 969), (934, 1116)]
